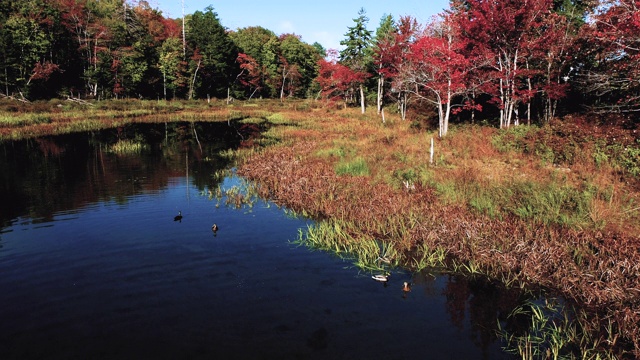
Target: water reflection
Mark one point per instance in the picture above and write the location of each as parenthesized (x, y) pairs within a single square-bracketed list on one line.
[(94, 265), (42, 176)]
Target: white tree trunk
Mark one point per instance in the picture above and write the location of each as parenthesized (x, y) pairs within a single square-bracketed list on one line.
[(362, 98), (380, 92), (193, 81)]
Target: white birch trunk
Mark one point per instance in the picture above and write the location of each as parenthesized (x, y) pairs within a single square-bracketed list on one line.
[(362, 98)]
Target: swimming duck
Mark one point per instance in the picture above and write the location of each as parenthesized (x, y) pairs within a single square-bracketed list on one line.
[(380, 278), (406, 287), (214, 228), (178, 217)]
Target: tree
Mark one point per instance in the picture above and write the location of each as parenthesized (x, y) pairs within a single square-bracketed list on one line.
[(611, 71), (92, 22), (170, 65), (391, 55), (437, 68), (250, 74), (27, 33), (302, 60), (384, 36), (337, 80), (258, 44), (503, 31), (357, 52), (218, 53), (554, 54)]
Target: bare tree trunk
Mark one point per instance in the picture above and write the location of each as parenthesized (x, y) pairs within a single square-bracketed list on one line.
[(164, 85), (362, 98), (254, 91), (380, 92), (193, 81), (402, 105), (284, 81)]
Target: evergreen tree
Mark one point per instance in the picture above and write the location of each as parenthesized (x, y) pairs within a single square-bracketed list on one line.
[(215, 67), (384, 35), (357, 52)]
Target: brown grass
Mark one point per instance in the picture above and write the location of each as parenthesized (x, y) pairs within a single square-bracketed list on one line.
[(594, 263), (473, 201)]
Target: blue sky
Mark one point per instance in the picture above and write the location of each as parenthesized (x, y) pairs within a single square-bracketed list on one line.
[(324, 21)]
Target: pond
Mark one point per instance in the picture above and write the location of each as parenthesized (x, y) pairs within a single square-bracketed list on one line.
[(93, 264)]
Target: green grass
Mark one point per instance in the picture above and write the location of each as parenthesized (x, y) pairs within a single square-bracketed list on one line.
[(343, 240), (355, 167), (23, 119), (553, 331)]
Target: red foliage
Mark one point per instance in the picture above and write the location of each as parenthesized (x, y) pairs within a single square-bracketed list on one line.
[(510, 36), (42, 70), (337, 80), (251, 74), (615, 34), (390, 53)]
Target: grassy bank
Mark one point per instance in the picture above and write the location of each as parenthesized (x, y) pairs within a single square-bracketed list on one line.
[(531, 206), (27, 120), (553, 207)]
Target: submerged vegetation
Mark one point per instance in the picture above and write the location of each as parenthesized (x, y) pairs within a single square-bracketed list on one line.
[(551, 207)]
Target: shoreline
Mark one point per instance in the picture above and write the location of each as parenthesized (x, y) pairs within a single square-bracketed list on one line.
[(525, 219)]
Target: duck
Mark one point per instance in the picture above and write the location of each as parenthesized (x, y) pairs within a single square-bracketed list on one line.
[(406, 287), (380, 278), (178, 217), (214, 228)]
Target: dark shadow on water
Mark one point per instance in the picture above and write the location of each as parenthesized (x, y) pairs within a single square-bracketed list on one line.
[(42, 176)]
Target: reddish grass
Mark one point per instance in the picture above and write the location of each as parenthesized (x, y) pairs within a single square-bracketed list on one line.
[(594, 264), (597, 268)]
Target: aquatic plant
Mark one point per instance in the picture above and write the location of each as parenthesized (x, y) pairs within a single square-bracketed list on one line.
[(242, 194), (365, 252), (550, 329)]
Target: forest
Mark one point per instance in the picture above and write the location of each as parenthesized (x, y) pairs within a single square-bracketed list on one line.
[(504, 61)]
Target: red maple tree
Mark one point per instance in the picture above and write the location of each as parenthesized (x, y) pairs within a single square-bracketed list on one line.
[(338, 81), (504, 32)]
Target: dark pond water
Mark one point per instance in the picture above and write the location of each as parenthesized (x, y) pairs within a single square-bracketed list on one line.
[(93, 266)]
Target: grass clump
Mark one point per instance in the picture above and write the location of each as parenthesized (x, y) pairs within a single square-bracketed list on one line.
[(339, 238), (355, 167), (549, 203), (549, 329)]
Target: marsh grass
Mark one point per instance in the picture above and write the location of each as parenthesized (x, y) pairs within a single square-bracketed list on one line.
[(550, 329), (525, 209), (364, 252), (554, 207), (21, 121), (355, 167), (242, 194)]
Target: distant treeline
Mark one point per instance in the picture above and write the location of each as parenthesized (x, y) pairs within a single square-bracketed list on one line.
[(512, 60)]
